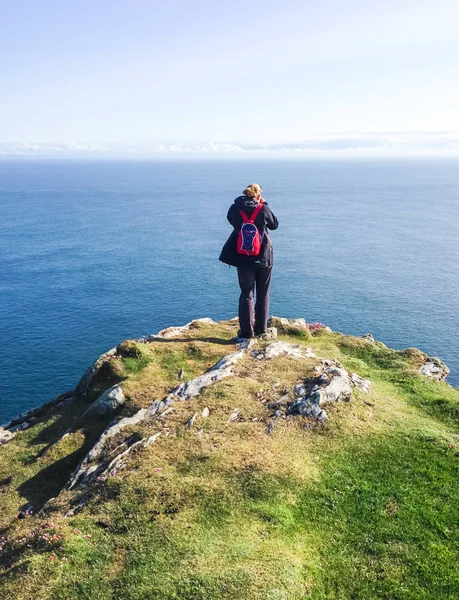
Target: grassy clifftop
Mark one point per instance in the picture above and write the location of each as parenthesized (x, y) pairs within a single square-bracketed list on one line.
[(236, 498)]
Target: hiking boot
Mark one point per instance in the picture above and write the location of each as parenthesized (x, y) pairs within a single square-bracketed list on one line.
[(246, 336)]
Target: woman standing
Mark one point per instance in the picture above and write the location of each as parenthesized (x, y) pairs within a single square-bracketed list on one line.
[(249, 248)]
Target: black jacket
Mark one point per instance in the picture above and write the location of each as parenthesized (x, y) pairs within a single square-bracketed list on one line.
[(265, 220)]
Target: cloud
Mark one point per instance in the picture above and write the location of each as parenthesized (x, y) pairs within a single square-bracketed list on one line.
[(441, 143)]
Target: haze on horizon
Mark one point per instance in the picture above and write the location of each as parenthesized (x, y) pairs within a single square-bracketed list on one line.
[(126, 74)]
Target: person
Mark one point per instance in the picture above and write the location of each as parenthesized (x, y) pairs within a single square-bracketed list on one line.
[(254, 270)]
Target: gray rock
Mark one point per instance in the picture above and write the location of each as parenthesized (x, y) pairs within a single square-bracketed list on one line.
[(233, 416), (223, 368), (90, 465), (360, 383), (297, 323), (269, 334), (299, 390), (434, 368), (280, 348), (120, 460), (339, 386), (284, 323), (368, 337), (107, 403), (34, 413), (283, 349), (171, 332), (94, 464), (151, 439), (205, 412), (245, 343), (20, 427), (334, 385), (191, 420), (6, 436)]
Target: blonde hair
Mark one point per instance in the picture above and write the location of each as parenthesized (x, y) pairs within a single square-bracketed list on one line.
[(253, 190)]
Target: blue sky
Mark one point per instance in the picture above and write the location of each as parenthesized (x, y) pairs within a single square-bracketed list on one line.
[(113, 74)]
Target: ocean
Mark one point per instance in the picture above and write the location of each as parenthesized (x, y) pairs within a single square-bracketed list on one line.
[(94, 252)]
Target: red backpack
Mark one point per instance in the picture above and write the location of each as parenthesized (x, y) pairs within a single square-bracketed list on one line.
[(249, 240)]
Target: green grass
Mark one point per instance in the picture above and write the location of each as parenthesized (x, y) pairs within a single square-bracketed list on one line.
[(365, 507)]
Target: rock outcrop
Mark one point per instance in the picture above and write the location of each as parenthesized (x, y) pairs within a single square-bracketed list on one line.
[(434, 368), (327, 382), (333, 385), (281, 348), (109, 402)]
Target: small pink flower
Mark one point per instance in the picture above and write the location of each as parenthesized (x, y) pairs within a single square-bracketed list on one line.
[(158, 469)]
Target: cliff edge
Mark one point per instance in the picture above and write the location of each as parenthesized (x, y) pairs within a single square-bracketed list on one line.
[(192, 464)]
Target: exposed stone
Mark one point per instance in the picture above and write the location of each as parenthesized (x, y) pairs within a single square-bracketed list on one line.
[(337, 385), (289, 326), (434, 368), (270, 425), (300, 390), (233, 416), (92, 465), (120, 460), (171, 332), (20, 427), (283, 322), (280, 348), (368, 337), (82, 501), (191, 420), (205, 412), (150, 440), (107, 403), (283, 349), (89, 465), (6, 436), (223, 368), (34, 413), (333, 385), (166, 412), (360, 383), (269, 334), (245, 343), (326, 362)]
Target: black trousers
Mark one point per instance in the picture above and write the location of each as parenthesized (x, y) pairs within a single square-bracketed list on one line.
[(254, 319)]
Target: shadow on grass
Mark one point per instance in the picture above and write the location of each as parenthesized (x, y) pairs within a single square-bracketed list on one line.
[(49, 481), (209, 340)]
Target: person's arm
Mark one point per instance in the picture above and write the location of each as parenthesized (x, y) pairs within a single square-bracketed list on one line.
[(232, 216), (271, 221)]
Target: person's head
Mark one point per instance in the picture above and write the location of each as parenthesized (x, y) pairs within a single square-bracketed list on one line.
[(253, 191)]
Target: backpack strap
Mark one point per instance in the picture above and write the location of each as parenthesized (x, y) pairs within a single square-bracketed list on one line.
[(254, 214)]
